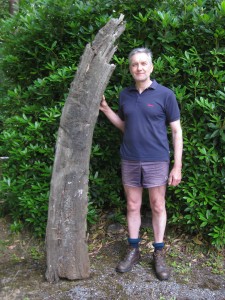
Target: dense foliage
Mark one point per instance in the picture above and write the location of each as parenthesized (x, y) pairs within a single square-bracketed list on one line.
[(41, 48)]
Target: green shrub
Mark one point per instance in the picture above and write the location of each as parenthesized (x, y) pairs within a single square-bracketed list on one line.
[(29, 143), (41, 50)]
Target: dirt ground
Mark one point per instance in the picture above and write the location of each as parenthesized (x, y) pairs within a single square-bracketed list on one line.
[(198, 272)]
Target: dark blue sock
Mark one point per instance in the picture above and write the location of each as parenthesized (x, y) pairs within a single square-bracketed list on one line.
[(134, 242), (158, 246)]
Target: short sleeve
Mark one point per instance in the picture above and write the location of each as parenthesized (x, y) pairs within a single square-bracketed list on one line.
[(172, 108)]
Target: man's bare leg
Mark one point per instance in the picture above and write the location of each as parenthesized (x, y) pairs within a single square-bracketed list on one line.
[(159, 218), (134, 200), (159, 215)]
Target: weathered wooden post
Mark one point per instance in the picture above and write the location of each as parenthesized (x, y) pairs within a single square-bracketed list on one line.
[(66, 245)]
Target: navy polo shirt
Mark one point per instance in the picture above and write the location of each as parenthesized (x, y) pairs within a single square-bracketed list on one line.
[(146, 117)]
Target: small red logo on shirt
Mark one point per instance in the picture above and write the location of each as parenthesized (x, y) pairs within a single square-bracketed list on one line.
[(151, 105)]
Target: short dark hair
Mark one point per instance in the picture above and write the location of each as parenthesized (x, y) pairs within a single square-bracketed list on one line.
[(141, 50)]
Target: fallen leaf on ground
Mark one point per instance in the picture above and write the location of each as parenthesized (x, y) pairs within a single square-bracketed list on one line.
[(11, 247), (197, 241)]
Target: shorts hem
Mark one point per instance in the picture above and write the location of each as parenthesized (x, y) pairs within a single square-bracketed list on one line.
[(128, 184), (145, 187), (154, 185)]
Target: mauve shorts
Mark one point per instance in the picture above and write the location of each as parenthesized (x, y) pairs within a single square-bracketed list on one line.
[(144, 174)]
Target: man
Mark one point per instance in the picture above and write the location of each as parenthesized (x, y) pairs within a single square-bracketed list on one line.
[(144, 112)]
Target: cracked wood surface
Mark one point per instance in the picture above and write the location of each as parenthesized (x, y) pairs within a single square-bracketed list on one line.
[(66, 245)]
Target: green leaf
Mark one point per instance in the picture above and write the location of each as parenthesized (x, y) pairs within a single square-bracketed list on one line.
[(223, 6)]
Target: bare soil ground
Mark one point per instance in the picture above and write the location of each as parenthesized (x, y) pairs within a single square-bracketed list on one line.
[(198, 271)]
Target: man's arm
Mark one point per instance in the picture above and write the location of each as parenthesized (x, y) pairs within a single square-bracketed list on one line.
[(111, 115), (175, 174)]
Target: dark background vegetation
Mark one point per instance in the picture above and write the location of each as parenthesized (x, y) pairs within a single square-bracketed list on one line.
[(40, 50)]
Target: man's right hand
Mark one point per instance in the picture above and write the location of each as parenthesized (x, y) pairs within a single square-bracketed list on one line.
[(111, 115), (103, 104)]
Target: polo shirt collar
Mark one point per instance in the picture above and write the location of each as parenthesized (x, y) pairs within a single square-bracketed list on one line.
[(153, 86)]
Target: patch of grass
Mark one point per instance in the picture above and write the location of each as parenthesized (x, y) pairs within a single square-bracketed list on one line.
[(4, 244), (36, 253), (174, 253), (216, 263), (164, 298), (15, 258), (181, 268), (16, 227), (144, 264)]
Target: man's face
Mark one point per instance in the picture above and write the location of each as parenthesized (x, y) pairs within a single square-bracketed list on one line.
[(140, 67)]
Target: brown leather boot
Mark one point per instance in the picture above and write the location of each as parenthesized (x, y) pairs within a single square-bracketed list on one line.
[(131, 258), (161, 269)]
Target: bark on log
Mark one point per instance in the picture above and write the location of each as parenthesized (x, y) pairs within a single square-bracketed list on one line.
[(66, 245)]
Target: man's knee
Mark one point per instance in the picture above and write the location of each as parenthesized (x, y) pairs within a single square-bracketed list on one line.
[(158, 207), (133, 206)]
